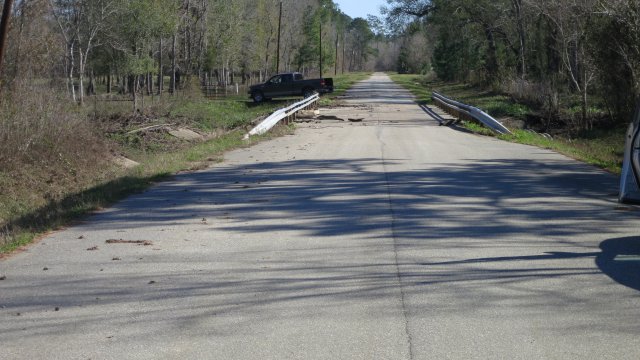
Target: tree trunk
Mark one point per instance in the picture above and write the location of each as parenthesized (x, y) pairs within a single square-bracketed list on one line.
[(91, 89), (160, 73), (18, 52), (522, 66), (173, 65), (585, 119), (4, 27), (70, 74), (492, 57), (109, 82), (133, 83), (81, 75)]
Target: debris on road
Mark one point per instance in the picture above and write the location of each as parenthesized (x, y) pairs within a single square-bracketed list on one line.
[(138, 242), (329, 117), (93, 248)]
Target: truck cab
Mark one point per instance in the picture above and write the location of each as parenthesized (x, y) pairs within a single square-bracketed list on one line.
[(289, 84)]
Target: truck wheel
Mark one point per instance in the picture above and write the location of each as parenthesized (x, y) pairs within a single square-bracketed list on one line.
[(308, 93), (258, 97)]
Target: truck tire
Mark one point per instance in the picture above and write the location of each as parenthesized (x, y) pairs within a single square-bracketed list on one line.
[(308, 92), (257, 97)]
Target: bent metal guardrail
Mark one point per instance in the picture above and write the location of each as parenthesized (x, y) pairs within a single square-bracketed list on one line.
[(471, 111), (273, 119)]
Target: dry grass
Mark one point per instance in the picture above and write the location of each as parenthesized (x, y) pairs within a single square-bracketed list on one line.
[(47, 151)]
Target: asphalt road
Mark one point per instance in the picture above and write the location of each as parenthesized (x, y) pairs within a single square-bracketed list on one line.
[(389, 238)]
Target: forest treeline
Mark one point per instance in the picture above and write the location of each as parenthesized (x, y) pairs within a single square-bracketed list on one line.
[(132, 46), (576, 58)]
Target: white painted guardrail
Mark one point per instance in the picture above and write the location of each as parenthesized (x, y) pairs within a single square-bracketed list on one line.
[(473, 112), (273, 119)]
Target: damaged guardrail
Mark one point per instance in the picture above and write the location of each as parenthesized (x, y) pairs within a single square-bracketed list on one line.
[(277, 116), (473, 112)]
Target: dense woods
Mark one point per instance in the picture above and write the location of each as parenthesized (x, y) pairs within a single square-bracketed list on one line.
[(576, 59), (131, 47)]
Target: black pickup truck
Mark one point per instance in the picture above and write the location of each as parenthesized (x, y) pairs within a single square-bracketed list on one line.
[(289, 84)]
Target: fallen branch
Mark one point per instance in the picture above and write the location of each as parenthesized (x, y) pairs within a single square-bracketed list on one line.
[(139, 242), (149, 128)]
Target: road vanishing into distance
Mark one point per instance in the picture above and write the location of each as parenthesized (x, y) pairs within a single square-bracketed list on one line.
[(388, 238)]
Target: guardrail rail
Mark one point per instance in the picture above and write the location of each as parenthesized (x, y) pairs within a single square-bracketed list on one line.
[(281, 114), (472, 112)]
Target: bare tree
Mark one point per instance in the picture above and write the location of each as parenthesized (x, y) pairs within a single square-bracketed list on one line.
[(570, 19), (80, 23)]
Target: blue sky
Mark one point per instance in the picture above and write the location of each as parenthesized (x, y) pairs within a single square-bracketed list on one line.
[(360, 8)]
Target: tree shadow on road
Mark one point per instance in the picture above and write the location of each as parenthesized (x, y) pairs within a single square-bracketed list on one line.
[(320, 230)]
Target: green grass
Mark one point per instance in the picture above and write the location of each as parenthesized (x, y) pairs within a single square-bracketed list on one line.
[(604, 149), (18, 240), (209, 115), (601, 148), (496, 105)]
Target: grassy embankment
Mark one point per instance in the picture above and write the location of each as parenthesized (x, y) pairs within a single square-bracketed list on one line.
[(56, 160), (603, 148)]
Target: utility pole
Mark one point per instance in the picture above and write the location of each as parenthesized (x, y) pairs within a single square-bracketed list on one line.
[(160, 67), (320, 47), (173, 65), (279, 33), (4, 27), (335, 71), (344, 47)]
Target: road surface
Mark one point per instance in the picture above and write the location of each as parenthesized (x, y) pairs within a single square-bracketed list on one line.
[(389, 238)]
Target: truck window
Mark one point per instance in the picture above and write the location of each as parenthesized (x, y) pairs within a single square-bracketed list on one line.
[(287, 78), (275, 80)]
